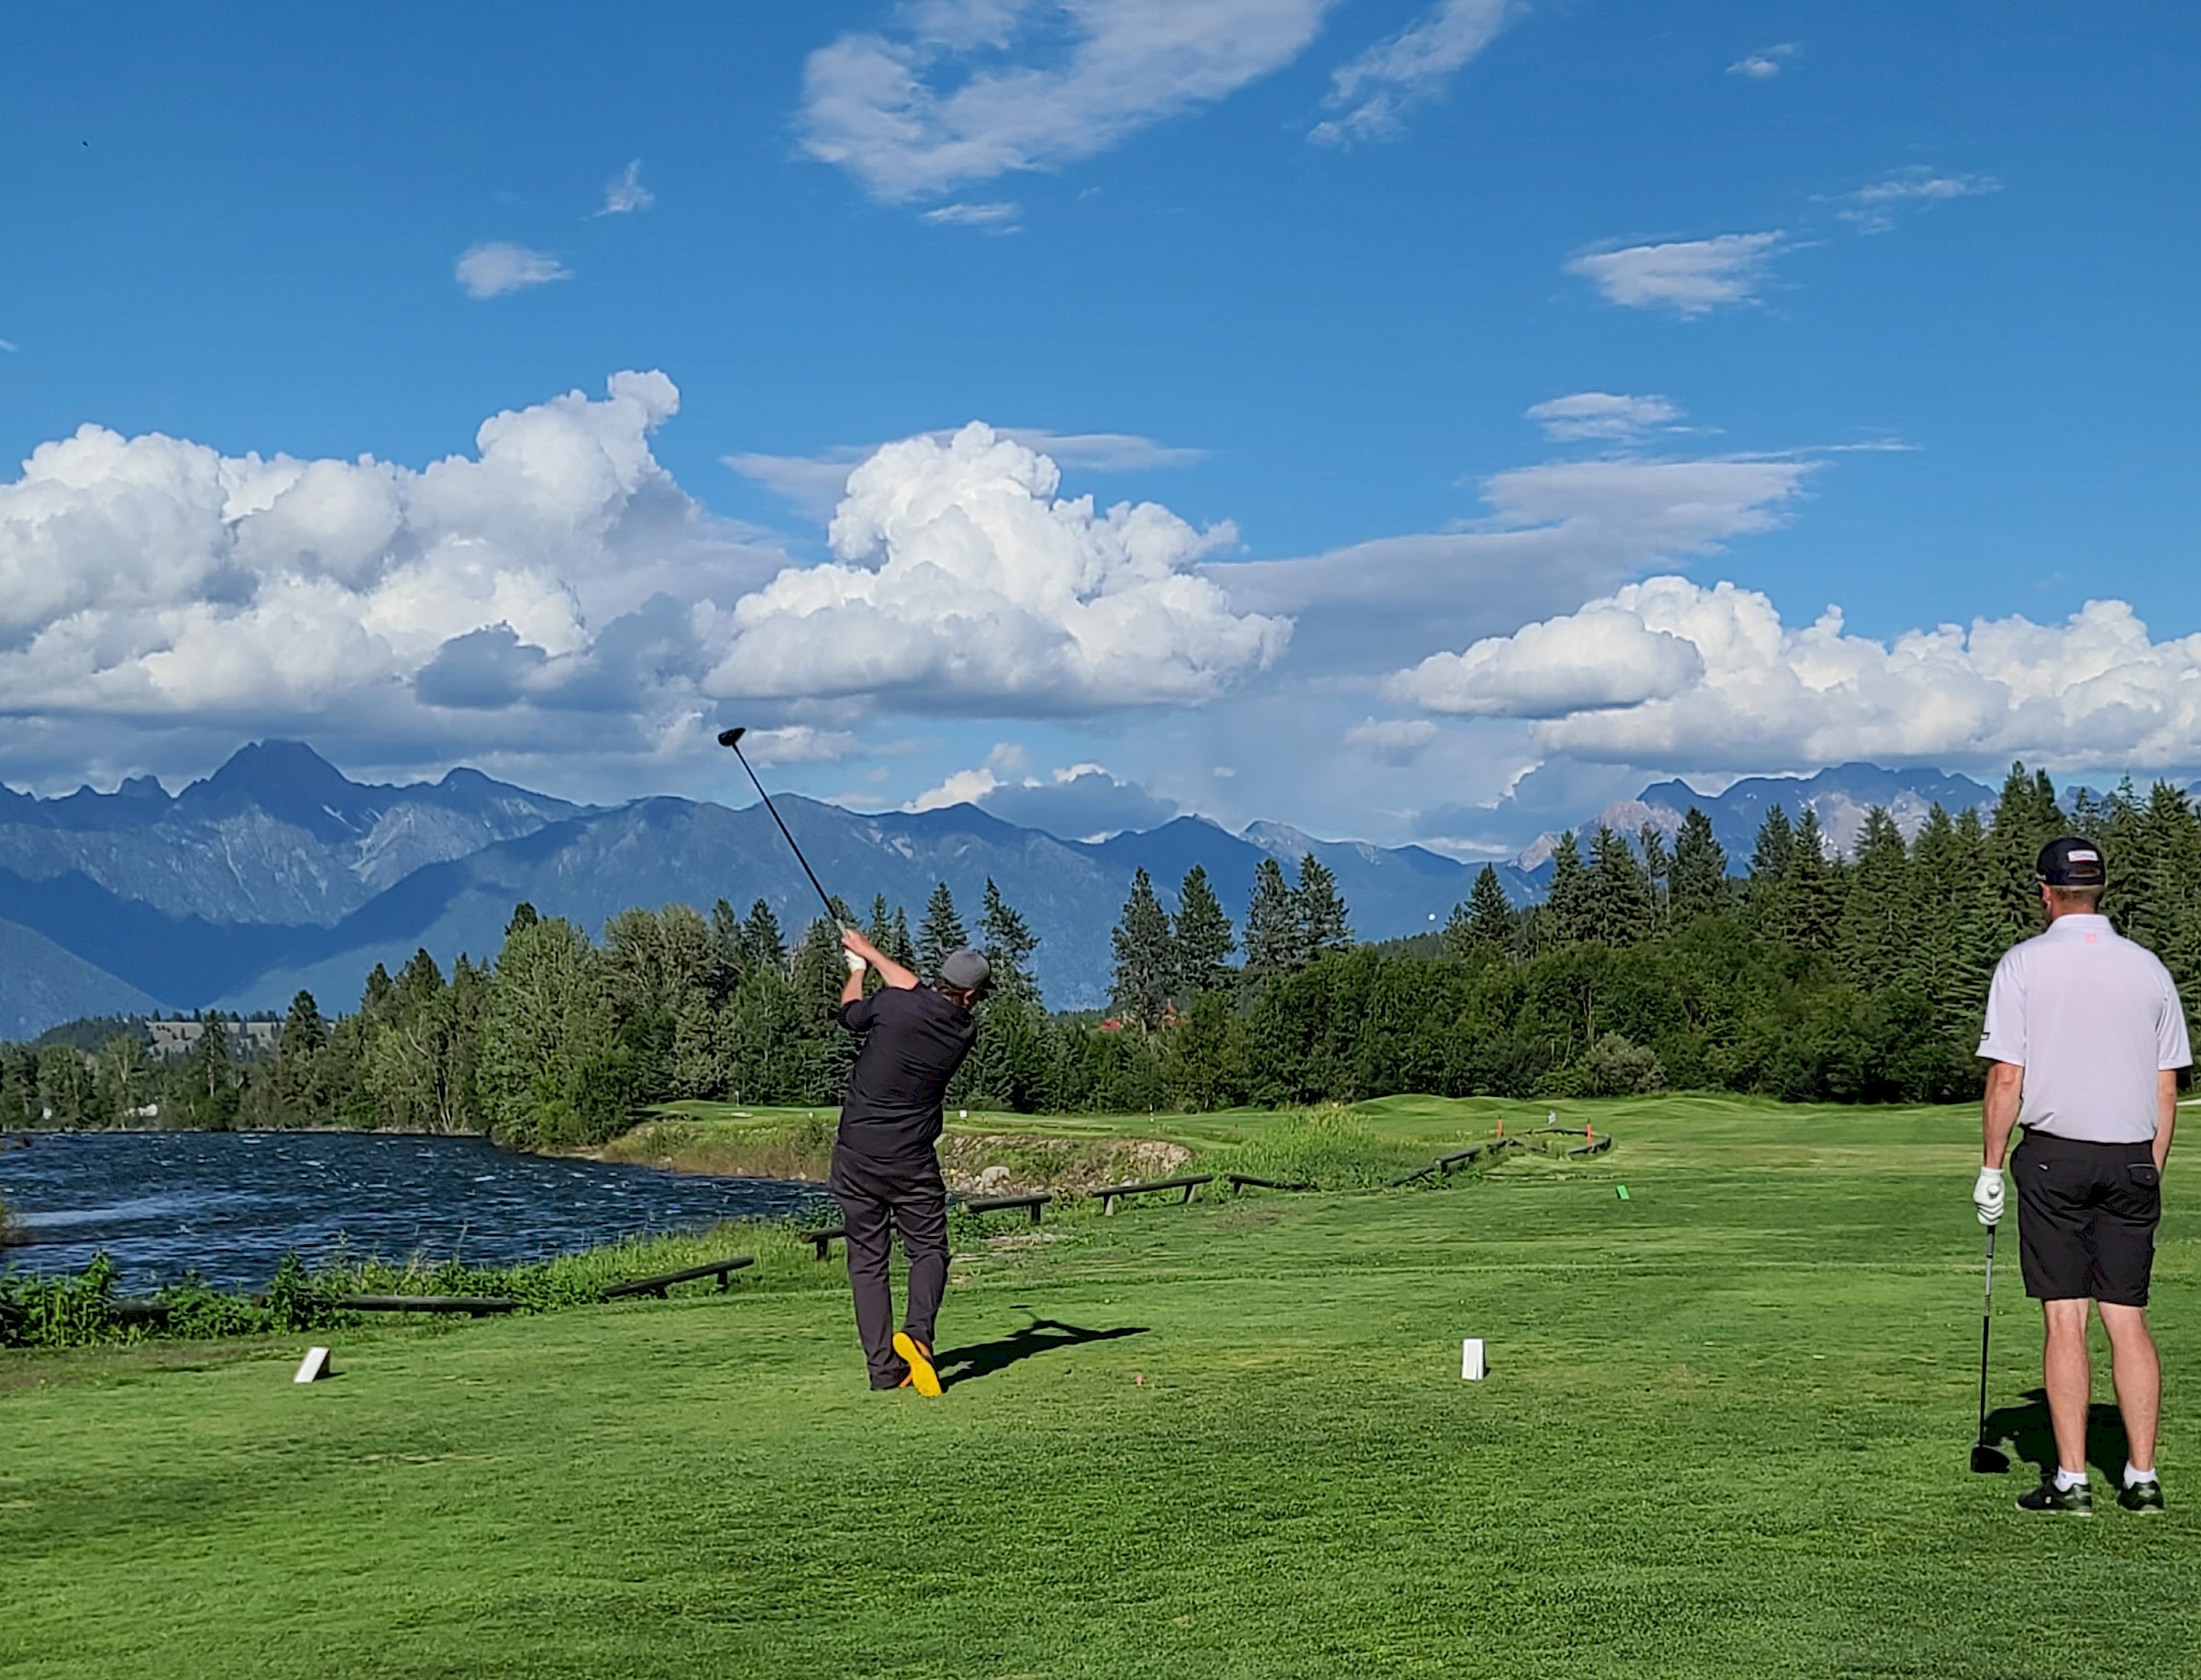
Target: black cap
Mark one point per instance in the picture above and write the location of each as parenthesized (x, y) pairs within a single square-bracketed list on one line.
[(2071, 862)]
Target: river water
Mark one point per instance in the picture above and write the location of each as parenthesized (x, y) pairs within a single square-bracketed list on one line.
[(228, 1205)]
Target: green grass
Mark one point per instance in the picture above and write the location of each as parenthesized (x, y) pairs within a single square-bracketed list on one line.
[(1724, 1434)]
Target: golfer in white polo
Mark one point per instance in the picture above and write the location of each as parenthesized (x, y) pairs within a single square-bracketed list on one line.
[(2086, 1036)]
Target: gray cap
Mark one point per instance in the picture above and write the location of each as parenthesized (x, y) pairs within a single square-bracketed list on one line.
[(964, 970)]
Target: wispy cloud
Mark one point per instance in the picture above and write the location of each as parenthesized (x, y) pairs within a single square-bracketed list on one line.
[(958, 91), (1375, 89), (1877, 207), (625, 194), (492, 268), (992, 219), (1764, 64), (1602, 415), (10, 347), (1691, 277)]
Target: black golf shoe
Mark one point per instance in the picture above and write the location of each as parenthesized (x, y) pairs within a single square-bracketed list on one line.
[(2145, 1498), (2062, 1501)]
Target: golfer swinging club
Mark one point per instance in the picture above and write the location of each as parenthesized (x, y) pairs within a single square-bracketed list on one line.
[(884, 1168), (2085, 1035)]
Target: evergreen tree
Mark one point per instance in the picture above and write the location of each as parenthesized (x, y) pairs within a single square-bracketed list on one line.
[(1617, 908), (942, 933), (762, 943), (522, 915), (726, 959), (1204, 937), (2026, 818), (1566, 915), (1484, 923), (879, 926), (1811, 891), (1765, 889), (1205, 1062), (898, 946), (1324, 927), (1145, 957), (1877, 912), (1009, 947), (1698, 881), (1275, 942), (1658, 866)]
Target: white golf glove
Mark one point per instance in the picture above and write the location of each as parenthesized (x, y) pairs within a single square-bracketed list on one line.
[(1987, 1195), (855, 963)]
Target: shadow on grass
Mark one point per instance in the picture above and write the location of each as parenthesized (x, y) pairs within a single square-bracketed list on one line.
[(2026, 1427), (963, 1364)]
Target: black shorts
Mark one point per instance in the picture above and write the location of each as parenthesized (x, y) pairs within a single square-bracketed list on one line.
[(2086, 1215)]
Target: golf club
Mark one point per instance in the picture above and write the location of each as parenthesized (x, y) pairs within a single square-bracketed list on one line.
[(731, 737), (1986, 1460)]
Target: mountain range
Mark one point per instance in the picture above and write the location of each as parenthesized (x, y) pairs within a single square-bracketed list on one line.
[(278, 872)]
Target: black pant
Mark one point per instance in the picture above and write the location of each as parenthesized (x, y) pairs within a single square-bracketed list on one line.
[(873, 1197)]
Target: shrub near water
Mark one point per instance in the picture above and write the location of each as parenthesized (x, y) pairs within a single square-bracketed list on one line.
[(1329, 1147), (81, 1310)]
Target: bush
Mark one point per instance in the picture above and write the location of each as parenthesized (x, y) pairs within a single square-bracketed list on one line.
[(1329, 1147), (1618, 1066)]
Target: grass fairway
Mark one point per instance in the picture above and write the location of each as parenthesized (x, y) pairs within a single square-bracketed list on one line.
[(1724, 1433)]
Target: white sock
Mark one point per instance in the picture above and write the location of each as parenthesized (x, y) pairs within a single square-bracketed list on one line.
[(2068, 1479), (2133, 1478)]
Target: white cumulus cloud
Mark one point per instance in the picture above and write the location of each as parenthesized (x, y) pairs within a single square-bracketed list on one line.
[(155, 582), (1875, 208), (1668, 673), (1690, 277), (1602, 415), (1600, 656), (492, 268), (1374, 90), (964, 583), (625, 194), (960, 91)]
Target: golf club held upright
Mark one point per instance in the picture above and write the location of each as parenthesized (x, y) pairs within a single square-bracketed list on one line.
[(731, 737)]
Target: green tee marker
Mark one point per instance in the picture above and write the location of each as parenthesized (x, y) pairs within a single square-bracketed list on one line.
[(1622, 1191)]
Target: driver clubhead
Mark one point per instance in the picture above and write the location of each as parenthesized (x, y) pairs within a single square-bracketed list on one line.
[(1989, 1461), (731, 737)]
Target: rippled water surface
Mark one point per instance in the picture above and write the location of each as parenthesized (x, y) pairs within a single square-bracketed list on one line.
[(228, 1205)]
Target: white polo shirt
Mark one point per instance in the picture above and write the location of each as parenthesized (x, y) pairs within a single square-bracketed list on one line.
[(2092, 1018)]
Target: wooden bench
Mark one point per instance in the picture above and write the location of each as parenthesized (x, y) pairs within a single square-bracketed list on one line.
[(1243, 1181), (473, 1306), (1002, 1204), (823, 1239), (1115, 1193), (723, 1270)]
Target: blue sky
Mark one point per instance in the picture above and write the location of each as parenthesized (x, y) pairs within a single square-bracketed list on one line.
[(1462, 353)]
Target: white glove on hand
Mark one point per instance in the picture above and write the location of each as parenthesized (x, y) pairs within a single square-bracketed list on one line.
[(855, 963), (1987, 1195)]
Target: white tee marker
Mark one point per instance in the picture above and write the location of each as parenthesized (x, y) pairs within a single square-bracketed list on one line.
[(314, 1366), (1471, 1360)]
